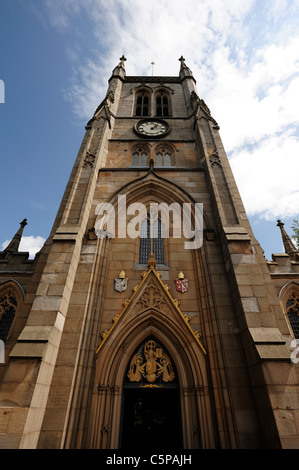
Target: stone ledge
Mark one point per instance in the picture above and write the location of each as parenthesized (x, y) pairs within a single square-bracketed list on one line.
[(65, 237), (270, 344), (266, 335), (273, 352), (29, 349), (36, 333)]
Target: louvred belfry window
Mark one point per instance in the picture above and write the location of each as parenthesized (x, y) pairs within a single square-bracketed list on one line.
[(142, 103), (162, 104)]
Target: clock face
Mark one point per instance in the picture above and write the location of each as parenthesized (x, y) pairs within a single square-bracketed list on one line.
[(152, 128)]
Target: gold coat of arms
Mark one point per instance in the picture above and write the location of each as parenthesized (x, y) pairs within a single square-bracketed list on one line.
[(151, 363)]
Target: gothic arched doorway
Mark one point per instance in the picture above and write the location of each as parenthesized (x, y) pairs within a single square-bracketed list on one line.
[(151, 416)]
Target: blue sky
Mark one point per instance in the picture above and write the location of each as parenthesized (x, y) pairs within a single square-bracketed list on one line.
[(56, 59)]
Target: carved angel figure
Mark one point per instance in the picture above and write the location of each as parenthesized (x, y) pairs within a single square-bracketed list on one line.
[(136, 368)]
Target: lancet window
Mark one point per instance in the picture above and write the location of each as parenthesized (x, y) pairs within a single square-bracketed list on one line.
[(151, 240), (164, 156), (292, 311), (142, 103), (162, 103), (140, 156)]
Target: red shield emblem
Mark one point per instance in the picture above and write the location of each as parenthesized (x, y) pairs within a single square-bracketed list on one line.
[(181, 285)]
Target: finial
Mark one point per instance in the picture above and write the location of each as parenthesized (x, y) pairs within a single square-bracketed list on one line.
[(182, 60), (152, 262), (14, 244), (23, 223), (122, 61), (122, 274), (279, 223), (289, 246), (184, 70), (153, 63)]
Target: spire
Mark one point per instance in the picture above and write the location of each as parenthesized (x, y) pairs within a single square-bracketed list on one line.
[(13, 246), (120, 70), (184, 70), (289, 246)]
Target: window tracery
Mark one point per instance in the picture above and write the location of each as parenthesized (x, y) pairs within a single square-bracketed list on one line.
[(164, 156), (162, 103), (289, 301), (140, 156), (292, 312), (142, 103), (151, 242), (8, 307)]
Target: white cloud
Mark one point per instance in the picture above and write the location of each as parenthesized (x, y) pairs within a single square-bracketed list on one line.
[(272, 191), (29, 244)]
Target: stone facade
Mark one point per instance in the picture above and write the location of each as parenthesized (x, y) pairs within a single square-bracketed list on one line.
[(64, 382)]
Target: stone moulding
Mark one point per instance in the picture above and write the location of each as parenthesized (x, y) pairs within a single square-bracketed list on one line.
[(175, 303)]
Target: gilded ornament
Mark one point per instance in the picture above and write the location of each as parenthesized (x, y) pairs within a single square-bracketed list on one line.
[(151, 363)]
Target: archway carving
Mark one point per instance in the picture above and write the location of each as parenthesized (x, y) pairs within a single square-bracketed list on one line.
[(137, 322)]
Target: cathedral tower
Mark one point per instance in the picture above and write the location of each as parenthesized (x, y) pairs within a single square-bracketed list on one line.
[(145, 328)]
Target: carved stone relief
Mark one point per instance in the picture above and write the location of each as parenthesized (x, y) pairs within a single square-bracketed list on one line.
[(151, 363)]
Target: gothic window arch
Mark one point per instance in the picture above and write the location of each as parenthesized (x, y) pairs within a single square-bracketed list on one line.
[(290, 303), (162, 101), (10, 298), (140, 155), (164, 156), (292, 312), (142, 103), (151, 240)]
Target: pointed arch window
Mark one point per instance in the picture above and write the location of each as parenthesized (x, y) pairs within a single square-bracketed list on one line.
[(142, 103), (162, 103), (292, 311), (8, 307), (151, 240), (164, 156), (140, 156)]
